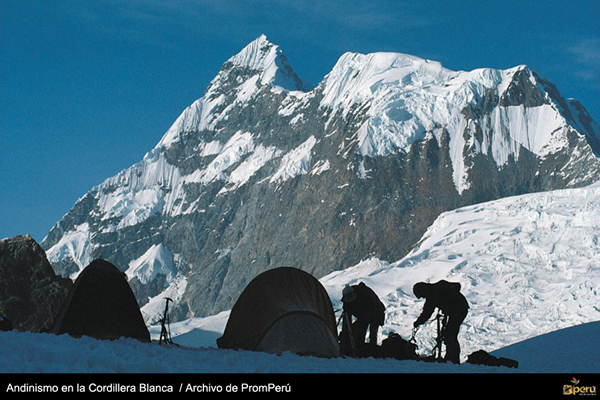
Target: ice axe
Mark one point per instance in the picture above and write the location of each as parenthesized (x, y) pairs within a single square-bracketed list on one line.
[(165, 330)]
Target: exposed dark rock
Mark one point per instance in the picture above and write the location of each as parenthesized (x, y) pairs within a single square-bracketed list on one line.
[(5, 324), (30, 291)]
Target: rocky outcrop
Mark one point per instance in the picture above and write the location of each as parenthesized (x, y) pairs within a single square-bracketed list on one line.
[(30, 291)]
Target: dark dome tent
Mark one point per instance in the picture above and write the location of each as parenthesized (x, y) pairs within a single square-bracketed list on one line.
[(283, 309), (101, 304)]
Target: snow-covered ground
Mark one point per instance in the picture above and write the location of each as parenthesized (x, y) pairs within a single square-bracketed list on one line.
[(572, 350)]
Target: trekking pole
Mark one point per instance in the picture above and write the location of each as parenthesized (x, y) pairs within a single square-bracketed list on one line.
[(348, 328), (438, 340)]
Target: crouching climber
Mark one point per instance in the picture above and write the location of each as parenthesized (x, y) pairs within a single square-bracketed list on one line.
[(362, 303), (446, 297)]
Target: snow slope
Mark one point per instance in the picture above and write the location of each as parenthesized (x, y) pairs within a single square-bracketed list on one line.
[(528, 265)]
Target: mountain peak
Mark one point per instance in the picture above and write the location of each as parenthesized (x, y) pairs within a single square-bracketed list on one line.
[(356, 76), (259, 64), (257, 55), (269, 61)]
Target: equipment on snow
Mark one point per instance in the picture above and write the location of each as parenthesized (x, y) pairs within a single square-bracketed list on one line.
[(165, 326)]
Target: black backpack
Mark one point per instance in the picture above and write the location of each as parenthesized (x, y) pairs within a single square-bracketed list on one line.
[(396, 347)]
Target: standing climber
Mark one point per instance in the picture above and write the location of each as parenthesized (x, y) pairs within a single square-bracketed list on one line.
[(361, 302), (446, 297)]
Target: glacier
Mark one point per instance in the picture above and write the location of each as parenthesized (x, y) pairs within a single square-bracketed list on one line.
[(528, 265), (410, 97)]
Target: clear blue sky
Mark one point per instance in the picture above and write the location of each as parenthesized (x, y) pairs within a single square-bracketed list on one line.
[(87, 88)]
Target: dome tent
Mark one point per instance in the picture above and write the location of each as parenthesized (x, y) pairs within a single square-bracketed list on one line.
[(101, 304), (283, 309)]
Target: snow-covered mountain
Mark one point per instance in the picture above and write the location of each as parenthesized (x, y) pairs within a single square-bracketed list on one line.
[(264, 171)]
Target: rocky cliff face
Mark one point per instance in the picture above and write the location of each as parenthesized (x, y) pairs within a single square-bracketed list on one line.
[(263, 171), (30, 292)]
